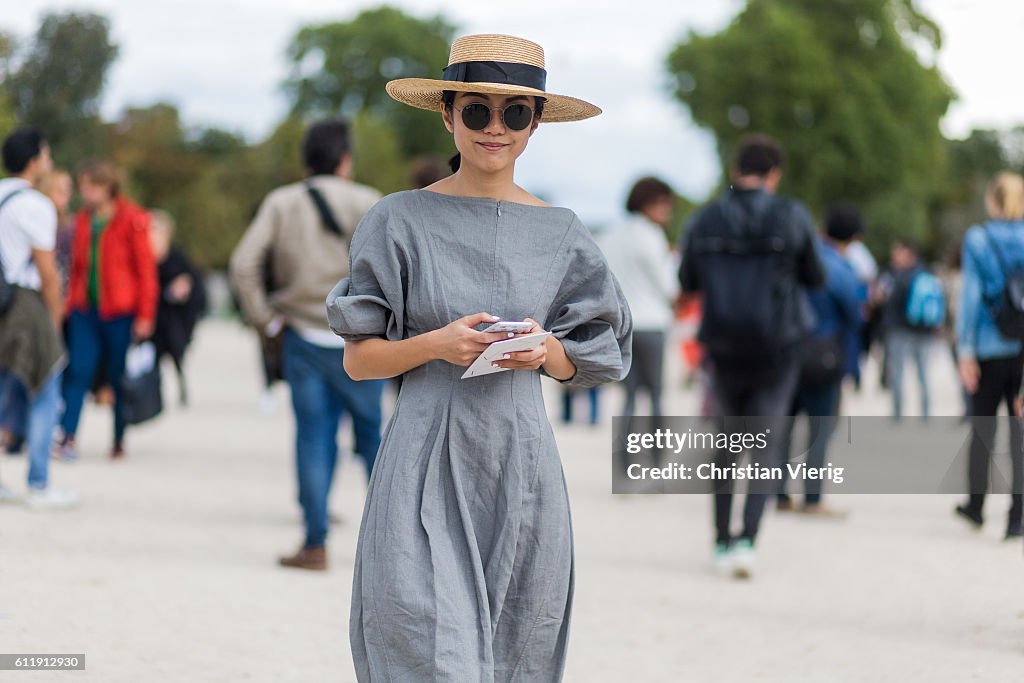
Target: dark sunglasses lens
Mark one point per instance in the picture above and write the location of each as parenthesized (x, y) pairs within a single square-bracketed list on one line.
[(476, 116), (517, 116)]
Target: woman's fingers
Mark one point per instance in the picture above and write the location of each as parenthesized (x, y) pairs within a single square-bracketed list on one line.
[(487, 338), (523, 360), (536, 326), (478, 318)]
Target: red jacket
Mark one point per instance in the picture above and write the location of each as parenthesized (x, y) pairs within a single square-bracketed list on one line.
[(127, 277)]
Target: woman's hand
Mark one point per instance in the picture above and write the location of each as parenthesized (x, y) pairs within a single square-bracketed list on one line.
[(180, 288), (142, 329), (459, 344), (527, 360), (969, 374)]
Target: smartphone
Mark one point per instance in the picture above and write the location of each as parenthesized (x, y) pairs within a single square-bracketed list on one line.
[(509, 326), (483, 363)]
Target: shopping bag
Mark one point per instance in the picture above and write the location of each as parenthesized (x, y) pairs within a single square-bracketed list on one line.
[(141, 397)]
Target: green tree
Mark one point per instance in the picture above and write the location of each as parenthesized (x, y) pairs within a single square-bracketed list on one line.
[(149, 144), (342, 67), (377, 155), (215, 209), (58, 81), (7, 117), (210, 180), (847, 88), (973, 162)]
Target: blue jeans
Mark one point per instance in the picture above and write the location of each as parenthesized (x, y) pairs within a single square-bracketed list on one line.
[(89, 340), (899, 345), (820, 406), (13, 406), (321, 393), (568, 396), (40, 423)]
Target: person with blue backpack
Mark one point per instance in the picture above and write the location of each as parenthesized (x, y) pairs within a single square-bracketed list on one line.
[(990, 330), (830, 353), (913, 314)]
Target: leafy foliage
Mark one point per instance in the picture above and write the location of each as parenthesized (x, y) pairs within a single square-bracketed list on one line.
[(342, 68), (57, 83), (847, 88)]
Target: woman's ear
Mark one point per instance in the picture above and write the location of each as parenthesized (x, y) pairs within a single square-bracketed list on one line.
[(446, 116)]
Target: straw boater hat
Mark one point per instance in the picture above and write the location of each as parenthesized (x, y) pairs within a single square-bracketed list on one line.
[(497, 65)]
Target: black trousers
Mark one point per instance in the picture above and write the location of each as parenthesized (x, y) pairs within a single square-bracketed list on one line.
[(1000, 382), (766, 391)]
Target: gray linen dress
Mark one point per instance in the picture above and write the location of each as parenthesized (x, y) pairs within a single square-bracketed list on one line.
[(464, 567)]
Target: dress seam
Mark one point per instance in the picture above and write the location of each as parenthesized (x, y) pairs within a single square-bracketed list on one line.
[(551, 266)]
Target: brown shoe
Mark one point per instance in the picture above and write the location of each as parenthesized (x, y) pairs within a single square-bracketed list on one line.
[(823, 511), (313, 558), (784, 505)]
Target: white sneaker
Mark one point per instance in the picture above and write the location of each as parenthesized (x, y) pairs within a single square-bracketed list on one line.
[(8, 496), (51, 499), (267, 404), (721, 559), (743, 559)]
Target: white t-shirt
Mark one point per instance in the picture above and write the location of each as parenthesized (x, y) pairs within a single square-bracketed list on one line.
[(638, 253), (28, 221), (862, 262)]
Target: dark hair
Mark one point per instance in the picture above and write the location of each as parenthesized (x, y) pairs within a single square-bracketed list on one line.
[(448, 100), (427, 170), (99, 172), (757, 154), (844, 222), (21, 147), (324, 145), (645, 192)]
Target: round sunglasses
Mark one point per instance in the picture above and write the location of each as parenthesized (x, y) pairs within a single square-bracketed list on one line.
[(477, 116)]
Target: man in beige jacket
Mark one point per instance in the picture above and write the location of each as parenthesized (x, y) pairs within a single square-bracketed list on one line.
[(297, 247)]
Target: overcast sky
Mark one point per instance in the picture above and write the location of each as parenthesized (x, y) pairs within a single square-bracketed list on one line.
[(222, 61)]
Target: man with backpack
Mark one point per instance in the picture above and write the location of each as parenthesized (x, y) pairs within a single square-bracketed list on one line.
[(831, 352), (750, 255), (299, 242), (31, 308), (913, 312)]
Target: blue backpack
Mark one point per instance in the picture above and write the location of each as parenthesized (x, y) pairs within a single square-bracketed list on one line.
[(1007, 308), (926, 302)]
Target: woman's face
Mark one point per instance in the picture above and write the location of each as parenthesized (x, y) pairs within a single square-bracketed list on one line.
[(496, 147), (93, 194), (60, 192), (660, 210)]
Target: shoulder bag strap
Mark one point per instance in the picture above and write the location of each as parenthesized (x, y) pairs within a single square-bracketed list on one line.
[(326, 215)]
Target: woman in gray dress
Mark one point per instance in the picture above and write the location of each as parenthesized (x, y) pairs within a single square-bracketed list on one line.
[(464, 568)]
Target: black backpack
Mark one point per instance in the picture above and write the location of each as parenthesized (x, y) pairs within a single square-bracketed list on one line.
[(6, 288), (747, 281), (1007, 308)]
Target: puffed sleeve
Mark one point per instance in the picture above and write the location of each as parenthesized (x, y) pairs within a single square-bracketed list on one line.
[(590, 315), (370, 302)]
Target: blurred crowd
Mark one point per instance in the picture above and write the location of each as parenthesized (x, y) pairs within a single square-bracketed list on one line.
[(90, 300), (770, 313)]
